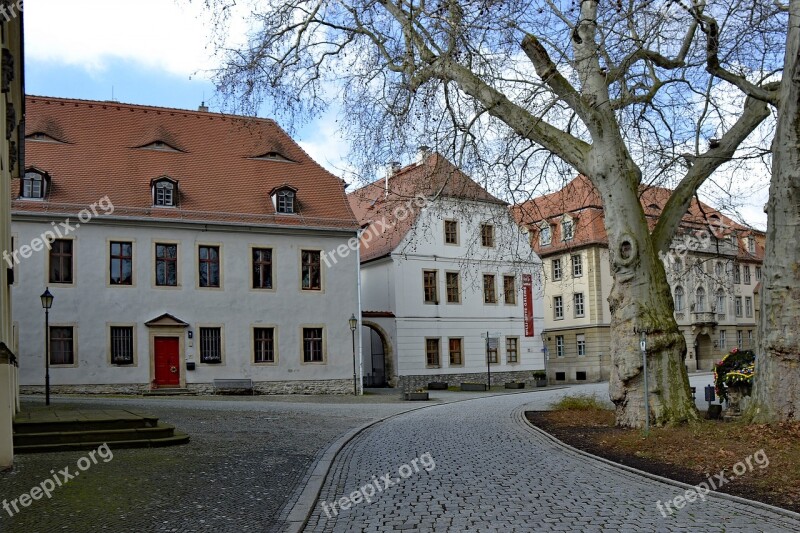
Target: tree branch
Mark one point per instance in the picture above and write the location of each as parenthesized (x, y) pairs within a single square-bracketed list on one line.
[(755, 112)]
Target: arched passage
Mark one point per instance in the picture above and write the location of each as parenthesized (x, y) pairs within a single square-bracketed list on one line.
[(378, 356)]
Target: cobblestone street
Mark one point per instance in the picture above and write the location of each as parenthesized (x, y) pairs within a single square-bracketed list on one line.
[(493, 473)]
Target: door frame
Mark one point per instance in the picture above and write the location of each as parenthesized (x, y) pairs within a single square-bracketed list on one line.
[(175, 332)]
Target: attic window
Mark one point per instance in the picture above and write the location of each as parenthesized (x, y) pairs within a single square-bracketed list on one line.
[(160, 146), (567, 229), (165, 192), (273, 156), (545, 236), (34, 185), (284, 199), (41, 137), (654, 207)]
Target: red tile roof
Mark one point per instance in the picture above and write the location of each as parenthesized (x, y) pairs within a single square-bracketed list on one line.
[(580, 200), (95, 149), (377, 210)]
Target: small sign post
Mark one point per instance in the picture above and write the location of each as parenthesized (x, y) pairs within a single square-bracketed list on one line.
[(643, 346), (491, 344)]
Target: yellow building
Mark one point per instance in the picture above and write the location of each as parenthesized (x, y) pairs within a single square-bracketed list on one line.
[(12, 113), (713, 267)]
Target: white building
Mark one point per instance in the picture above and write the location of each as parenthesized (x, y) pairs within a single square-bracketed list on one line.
[(443, 264), (12, 111), (181, 247)]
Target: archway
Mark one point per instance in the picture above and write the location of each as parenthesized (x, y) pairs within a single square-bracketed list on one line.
[(378, 356), (704, 352)]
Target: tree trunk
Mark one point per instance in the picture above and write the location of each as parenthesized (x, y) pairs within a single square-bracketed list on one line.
[(640, 301), (776, 393)]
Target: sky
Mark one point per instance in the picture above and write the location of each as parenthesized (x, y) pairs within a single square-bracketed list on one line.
[(159, 52)]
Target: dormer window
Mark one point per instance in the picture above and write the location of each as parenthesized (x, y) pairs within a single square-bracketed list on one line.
[(284, 199), (165, 192), (545, 236), (751, 245), (34, 185), (567, 229)]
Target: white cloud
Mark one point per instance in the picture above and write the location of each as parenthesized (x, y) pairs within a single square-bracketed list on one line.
[(160, 34)]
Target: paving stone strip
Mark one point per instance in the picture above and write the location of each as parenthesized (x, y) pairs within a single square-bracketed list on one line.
[(494, 473)]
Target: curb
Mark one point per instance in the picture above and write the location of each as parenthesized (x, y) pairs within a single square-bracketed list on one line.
[(302, 509), (519, 415)]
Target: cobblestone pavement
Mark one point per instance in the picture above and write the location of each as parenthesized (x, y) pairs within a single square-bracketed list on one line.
[(246, 458), (493, 473)]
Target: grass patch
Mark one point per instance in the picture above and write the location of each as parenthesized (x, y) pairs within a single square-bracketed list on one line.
[(582, 402)]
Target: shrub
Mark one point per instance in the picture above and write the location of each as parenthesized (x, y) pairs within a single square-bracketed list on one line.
[(582, 402), (539, 374)]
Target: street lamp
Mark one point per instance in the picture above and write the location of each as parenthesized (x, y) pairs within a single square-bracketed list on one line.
[(47, 303), (353, 325)]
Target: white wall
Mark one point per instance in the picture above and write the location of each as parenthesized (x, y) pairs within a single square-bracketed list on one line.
[(91, 304)]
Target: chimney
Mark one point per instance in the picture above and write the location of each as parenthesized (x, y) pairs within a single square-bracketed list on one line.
[(203, 108), (422, 154)]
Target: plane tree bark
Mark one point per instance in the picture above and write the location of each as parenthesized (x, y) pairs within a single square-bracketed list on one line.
[(619, 91)]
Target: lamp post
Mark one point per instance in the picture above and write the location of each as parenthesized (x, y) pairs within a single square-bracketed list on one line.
[(353, 325), (47, 303)]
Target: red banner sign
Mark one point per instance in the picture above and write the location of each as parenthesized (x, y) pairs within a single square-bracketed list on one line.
[(527, 303)]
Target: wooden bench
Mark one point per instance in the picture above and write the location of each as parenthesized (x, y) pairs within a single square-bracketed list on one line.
[(233, 386)]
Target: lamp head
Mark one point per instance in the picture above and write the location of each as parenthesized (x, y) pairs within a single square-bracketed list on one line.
[(47, 299)]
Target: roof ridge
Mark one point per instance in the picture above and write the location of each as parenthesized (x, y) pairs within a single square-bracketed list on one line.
[(112, 103)]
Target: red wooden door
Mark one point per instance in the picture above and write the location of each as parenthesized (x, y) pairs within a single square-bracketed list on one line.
[(168, 370)]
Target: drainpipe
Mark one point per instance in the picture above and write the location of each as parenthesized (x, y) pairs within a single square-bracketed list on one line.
[(358, 306)]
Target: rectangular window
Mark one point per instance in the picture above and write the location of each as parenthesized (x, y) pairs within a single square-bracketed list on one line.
[(166, 265), (122, 345), (581, 344), (555, 269), (758, 273), (567, 230), (430, 292), (722, 339), (456, 352), (489, 293), (559, 345), (311, 270), (491, 350), (209, 266), (558, 307), (211, 346), (738, 304), (450, 232), (121, 263), (512, 349), (545, 235), (61, 261), (510, 290), (453, 288), (432, 352), (262, 268), (577, 300), (747, 274), (749, 338), (264, 345), (748, 306), (577, 266), (737, 274), (312, 345), (487, 235), (739, 339), (751, 245), (62, 345)]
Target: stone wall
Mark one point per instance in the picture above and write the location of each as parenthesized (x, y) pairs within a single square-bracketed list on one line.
[(329, 386), (411, 383)]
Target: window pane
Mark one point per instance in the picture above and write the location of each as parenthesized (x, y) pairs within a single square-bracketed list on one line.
[(167, 265), (61, 346), (262, 268), (312, 345), (209, 266), (122, 345), (264, 348), (456, 355), (61, 261), (311, 270), (211, 345)]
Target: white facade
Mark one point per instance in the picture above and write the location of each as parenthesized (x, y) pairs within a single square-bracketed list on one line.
[(91, 305), (394, 298)]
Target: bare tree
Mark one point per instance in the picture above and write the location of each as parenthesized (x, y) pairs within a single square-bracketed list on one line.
[(626, 92)]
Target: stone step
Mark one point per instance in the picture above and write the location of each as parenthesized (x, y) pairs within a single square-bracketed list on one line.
[(176, 439), (84, 424), (103, 435)]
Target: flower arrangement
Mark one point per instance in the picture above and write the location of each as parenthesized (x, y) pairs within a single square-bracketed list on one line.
[(736, 369)]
